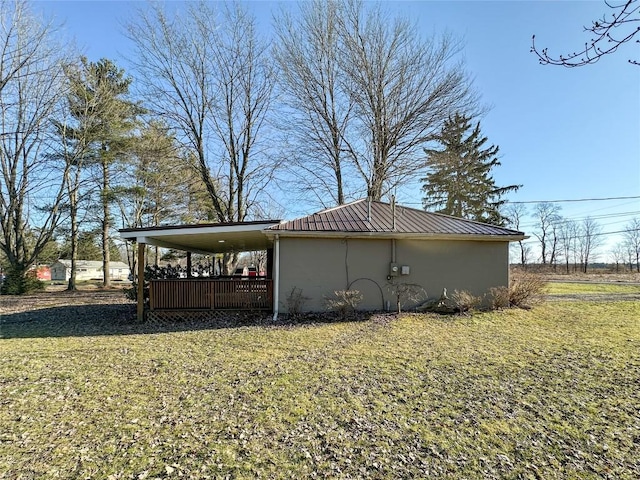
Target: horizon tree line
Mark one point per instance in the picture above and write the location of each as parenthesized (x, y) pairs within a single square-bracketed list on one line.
[(567, 244)]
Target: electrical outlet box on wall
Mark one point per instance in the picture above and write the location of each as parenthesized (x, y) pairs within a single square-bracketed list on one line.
[(405, 270)]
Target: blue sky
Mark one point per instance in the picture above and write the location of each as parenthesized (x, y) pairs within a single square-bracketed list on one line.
[(563, 133)]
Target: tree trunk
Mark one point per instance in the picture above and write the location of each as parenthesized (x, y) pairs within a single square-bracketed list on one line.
[(73, 206), (106, 255), (71, 285)]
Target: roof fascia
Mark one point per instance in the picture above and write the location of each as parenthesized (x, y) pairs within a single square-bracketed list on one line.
[(396, 235), (132, 234)]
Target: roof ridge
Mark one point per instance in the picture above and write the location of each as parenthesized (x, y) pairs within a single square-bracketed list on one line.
[(337, 207)]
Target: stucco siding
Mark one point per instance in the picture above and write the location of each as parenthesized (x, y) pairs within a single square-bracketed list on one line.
[(461, 265), (319, 266)]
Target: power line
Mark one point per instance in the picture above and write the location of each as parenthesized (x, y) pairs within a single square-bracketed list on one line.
[(601, 199), (564, 220), (595, 234), (576, 200)]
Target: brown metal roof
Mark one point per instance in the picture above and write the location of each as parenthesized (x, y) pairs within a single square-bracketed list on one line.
[(376, 217)]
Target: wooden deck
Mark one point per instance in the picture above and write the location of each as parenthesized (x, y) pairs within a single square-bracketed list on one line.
[(211, 294)]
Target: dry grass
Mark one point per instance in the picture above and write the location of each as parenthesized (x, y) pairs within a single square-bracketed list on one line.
[(545, 393)]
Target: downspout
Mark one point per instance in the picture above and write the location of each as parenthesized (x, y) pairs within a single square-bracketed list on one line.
[(276, 276)]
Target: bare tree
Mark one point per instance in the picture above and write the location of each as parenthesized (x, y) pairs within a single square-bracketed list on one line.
[(618, 255), (514, 213), (608, 34), (589, 240), (567, 237), (319, 110), (547, 216), (632, 240), (32, 179), (212, 82), (371, 90), (403, 88)]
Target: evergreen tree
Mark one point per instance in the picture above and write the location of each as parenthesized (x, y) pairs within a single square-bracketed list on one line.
[(105, 121), (459, 180)]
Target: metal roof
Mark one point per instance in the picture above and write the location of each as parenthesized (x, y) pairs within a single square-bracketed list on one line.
[(373, 217), (358, 219)]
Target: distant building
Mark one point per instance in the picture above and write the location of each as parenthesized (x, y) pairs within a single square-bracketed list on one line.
[(88, 270), (43, 273)]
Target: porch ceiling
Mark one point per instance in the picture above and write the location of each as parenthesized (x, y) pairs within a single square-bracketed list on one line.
[(206, 238)]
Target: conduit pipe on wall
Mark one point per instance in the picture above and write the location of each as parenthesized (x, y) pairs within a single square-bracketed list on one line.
[(276, 276)]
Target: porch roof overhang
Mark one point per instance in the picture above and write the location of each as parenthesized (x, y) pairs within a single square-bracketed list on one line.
[(205, 238)]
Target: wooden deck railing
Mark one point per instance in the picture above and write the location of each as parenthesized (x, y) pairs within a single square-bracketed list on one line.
[(211, 294)]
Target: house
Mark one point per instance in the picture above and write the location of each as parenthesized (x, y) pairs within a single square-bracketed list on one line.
[(88, 270), (366, 245), (373, 247)]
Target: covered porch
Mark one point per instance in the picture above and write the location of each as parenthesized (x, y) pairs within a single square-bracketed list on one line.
[(207, 293)]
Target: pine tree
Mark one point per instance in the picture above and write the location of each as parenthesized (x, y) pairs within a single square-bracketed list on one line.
[(105, 121), (459, 180)]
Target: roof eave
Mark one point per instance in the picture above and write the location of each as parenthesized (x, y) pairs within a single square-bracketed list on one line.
[(396, 235), (133, 233)]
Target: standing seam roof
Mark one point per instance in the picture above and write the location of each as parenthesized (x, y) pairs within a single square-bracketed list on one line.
[(354, 218)]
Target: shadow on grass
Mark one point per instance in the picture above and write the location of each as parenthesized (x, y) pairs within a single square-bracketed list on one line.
[(120, 319)]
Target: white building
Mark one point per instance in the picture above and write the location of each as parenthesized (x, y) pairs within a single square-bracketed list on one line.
[(88, 270)]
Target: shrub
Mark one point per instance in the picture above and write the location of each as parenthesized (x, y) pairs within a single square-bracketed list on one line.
[(499, 297), (464, 301), (344, 302), (17, 283), (295, 301), (406, 292), (526, 289)]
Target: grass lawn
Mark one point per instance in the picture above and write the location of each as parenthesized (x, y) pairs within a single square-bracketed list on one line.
[(549, 393), (561, 288)]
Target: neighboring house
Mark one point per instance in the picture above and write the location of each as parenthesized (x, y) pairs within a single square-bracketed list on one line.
[(88, 270), (365, 246)]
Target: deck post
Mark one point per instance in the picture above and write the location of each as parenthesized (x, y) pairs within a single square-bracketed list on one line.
[(140, 278)]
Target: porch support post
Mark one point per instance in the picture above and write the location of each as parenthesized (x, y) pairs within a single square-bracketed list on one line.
[(276, 276), (140, 309), (188, 264), (270, 263)]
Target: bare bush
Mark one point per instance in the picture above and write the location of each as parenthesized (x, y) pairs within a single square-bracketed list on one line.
[(526, 289), (465, 302), (499, 298), (406, 292), (344, 302)]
